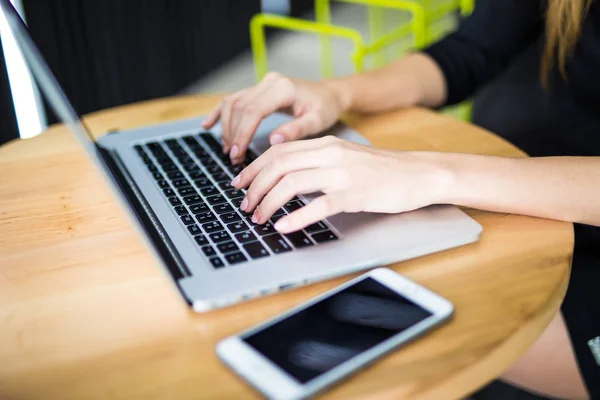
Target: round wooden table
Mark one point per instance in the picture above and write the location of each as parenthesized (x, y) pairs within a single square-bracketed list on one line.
[(85, 312)]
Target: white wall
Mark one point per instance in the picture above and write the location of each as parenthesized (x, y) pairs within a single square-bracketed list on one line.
[(31, 118)]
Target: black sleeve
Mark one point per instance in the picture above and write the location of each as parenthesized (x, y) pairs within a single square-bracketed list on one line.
[(485, 43)]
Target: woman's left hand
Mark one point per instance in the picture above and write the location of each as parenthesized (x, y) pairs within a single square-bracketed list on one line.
[(353, 178)]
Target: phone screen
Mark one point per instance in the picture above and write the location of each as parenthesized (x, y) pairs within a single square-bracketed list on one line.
[(334, 330)]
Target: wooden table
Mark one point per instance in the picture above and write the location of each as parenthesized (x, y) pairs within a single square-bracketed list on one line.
[(85, 312)]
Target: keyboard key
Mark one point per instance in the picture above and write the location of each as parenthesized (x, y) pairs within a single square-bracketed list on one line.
[(194, 229), (234, 193), (172, 143), (227, 247), (179, 183), (211, 142), (205, 217), (316, 227), (200, 152), (163, 184), (216, 262), (279, 212), (209, 191), (214, 169), (193, 199), (245, 237), (180, 210), (323, 237), (153, 145), (175, 175), (235, 258), (265, 229), (212, 227), (174, 201), (168, 192), (157, 176), (292, 206), (208, 251), (231, 217), (219, 237), (223, 208), (169, 167), (152, 168), (213, 200), (186, 191), (187, 219), (196, 175), (202, 182), (276, 218), (226, 185), (185, 160), (236, 169), (277, 243), (237, 227), (147, 160), (201, 240), (199, 208), (249, 221), (191, 167), (299, 239), (189, 140), (139, 149), (256, 250), (207, 161), (237, 202), (221, 177)]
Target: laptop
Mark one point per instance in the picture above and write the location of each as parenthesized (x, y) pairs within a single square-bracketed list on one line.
[(173, 181)]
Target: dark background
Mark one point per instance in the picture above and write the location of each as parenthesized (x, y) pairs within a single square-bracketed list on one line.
[(111, 52)]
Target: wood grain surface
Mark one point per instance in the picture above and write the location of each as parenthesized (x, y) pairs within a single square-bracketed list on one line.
[(86, 313)]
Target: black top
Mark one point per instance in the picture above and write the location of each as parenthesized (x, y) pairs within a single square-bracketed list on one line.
[(497, 32)]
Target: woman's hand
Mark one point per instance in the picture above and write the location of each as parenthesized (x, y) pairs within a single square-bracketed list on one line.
[(352, 177), (315, 105)]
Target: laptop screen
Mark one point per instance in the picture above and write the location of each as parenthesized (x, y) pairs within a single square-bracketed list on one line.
[(44, 77)]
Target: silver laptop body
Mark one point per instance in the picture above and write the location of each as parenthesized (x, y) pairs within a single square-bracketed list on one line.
[(172, 180)]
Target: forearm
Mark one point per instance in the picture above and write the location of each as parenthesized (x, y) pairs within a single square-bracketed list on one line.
[(413, 80), (562, 188)]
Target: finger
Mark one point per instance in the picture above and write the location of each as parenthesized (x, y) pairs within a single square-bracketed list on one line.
[(252, 95), (300, 182), (320, 208), (273, 97), (251, 171), (247, 127), (307, 124), (226, 110), (281, 166), (213, 116)]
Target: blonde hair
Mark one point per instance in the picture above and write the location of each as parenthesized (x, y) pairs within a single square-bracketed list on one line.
[(564, 20)]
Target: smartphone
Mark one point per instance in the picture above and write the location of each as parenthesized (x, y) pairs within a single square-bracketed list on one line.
[(317, 344)]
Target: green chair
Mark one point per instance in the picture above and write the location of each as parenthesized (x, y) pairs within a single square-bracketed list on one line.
[(422, 17)]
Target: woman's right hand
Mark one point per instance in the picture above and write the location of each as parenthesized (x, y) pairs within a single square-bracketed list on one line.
[(316, 106)]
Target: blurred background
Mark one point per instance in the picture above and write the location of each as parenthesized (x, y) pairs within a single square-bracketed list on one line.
[(111, 52)]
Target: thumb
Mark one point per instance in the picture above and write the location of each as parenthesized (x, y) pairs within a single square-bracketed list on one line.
[(296, 129)]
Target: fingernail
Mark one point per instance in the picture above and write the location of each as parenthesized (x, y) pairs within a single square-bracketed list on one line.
[(234, 151), (281, 224), (256, 216), (244, 205), (235, 181), (277, 138)]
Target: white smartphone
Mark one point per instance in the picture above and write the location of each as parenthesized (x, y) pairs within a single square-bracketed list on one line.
[(317, 344)]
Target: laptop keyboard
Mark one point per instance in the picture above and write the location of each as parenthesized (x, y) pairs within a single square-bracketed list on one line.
[(193, 175)]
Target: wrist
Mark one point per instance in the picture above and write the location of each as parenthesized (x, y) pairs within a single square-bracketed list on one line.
[(441, 175), (342, 90)]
